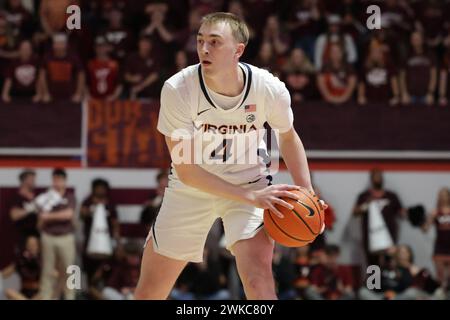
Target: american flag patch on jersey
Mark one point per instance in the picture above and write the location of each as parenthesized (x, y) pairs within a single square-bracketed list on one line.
[(250, 108)]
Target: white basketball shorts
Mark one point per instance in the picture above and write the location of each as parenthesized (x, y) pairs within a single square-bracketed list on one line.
[(187, 214)]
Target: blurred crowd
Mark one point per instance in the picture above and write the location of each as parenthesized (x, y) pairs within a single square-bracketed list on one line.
[(53, 232), (46, 224), (321, 49)]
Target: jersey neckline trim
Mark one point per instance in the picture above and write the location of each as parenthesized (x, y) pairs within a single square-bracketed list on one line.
[(247, 86)]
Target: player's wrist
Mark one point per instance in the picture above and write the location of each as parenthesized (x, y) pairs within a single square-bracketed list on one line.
[(247, 196)]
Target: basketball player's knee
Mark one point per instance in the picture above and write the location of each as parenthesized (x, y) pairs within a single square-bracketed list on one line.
[(257, 282), (257, 275)]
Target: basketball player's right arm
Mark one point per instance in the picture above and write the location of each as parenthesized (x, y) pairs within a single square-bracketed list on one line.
[(196, 177)]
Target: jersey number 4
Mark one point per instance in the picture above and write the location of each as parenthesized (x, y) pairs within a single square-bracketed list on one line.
[(223, 150)]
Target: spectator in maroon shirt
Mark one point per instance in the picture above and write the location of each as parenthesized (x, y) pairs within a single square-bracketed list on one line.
[(397, 18), (141, 72), (20, 18), (23, 211), (327, 281), (62, 74), (124, 274), (299, 76), (22, 75), (260, 10), (337, 80), (237, 8), (418, 78), (103, 73), (100, 194), (444, 83), (381, 38), (158, 29), (267, 59), (120, 37), (55, 218), (304, 24), (28, 266), (187, 37), (430, 19), (8, 42), (378, 80), (273, 34), (391, 211)]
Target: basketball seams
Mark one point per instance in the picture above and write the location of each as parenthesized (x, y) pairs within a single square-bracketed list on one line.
[(284, 232), (307, 225)]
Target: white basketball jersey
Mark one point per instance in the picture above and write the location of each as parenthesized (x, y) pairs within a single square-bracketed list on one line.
[(227, 142)]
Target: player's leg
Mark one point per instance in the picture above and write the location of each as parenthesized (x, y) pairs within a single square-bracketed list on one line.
[(248, 242), (254, 263), (158, 275), (177, 236)]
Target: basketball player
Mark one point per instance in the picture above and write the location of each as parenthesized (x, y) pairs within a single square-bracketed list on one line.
[(220, 94)]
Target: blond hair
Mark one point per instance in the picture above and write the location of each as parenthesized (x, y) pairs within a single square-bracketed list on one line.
[(238, 27)]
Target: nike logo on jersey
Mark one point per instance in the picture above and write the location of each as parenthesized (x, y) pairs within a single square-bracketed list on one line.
[(199, 113), (311, 210)]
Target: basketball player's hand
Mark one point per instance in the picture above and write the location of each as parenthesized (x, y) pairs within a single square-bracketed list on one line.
[(267, 198)]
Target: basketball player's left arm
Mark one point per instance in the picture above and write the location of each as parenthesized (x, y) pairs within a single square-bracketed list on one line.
[(294, 155)]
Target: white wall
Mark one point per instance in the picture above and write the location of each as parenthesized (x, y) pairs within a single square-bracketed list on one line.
[(339, 188)]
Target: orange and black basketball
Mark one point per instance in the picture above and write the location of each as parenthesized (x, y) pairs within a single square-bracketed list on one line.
[(301, 225)]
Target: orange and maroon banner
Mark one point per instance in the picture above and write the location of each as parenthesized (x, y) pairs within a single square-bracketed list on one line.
[(123, 134)]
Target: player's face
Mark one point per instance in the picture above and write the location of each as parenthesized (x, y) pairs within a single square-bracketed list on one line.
[(216, 47)]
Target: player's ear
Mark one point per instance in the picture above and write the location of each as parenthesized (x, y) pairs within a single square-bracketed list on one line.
[(240, 50)]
